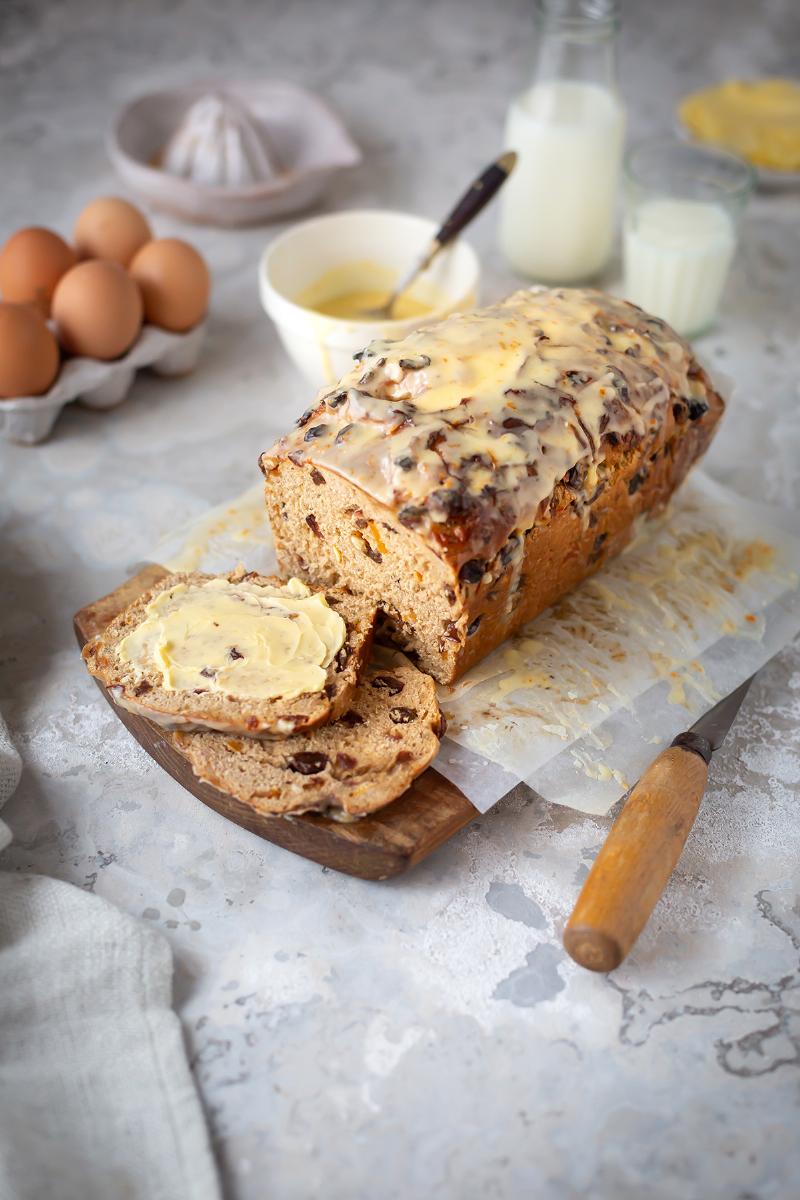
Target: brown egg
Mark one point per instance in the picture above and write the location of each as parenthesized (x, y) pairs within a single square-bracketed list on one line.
[(29, 357), (31, 264), (111, 228), (175, 283), (97, 309)]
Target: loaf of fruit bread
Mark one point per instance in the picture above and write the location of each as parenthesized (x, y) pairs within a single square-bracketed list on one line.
[(242, 653), (370, 756), (469, 474)]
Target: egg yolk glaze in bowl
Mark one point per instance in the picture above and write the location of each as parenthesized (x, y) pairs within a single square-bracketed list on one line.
[(318, 281)]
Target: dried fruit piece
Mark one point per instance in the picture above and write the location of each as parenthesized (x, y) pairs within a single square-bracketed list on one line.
[(411, 515), (392, 684), (314, 432), (402, 716), (697, 408), (351, 718), (472, 571), (597, 548), (636, 481), (307, 762)]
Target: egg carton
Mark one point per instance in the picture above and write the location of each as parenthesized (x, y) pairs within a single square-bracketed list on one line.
[(99, 385)]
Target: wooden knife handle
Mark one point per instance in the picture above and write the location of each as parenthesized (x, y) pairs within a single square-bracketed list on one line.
[(639, 855)]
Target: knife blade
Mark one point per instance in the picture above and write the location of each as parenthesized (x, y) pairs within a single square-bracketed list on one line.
[(713, 726), (645, 842)]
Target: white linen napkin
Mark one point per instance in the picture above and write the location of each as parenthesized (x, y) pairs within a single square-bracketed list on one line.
[(96, 1097), (10, 771)]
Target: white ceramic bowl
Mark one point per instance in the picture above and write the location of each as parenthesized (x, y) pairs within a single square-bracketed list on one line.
[(309, 139), (322, 347)]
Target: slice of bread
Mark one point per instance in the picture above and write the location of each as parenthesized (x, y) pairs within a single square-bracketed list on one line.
[(141, 691), (370, 756)]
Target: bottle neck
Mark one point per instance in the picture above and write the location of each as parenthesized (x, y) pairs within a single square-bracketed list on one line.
[(576, 42)]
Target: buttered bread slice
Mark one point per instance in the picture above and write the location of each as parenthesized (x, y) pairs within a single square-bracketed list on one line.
[(238, 653), (387, 736)]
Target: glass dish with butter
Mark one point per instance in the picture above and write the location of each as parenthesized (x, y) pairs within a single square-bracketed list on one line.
[(757, 119)]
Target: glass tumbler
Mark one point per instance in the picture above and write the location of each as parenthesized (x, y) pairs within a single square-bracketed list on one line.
[(683, 205)]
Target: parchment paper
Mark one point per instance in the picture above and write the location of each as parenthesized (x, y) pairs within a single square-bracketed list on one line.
[(580, 701)]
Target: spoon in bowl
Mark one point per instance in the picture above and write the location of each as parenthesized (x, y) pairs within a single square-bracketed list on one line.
[(474, 200)]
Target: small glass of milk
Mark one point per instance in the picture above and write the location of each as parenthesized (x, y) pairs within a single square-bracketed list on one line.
[(683, 204)]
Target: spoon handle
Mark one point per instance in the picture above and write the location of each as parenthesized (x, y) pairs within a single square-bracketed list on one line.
[(476, 197)]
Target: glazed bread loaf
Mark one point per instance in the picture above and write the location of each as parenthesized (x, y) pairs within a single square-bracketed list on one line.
[(468, 475)]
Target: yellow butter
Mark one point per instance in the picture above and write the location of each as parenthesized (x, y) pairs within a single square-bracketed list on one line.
[(246, 640), (759, 119)]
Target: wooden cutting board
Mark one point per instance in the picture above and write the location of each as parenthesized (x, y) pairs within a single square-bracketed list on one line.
[(376, 847)]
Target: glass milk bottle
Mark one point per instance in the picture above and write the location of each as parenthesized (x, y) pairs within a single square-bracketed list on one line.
[(557, 208)]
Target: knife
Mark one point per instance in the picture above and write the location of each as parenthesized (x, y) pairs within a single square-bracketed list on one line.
[(645, 842)]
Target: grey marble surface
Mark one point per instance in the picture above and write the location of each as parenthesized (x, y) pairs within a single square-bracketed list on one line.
[(427, 1036)]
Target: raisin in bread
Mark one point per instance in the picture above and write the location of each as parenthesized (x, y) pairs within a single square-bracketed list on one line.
[(139, 686), (370, 756), (471, 473)]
